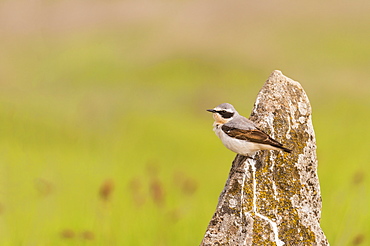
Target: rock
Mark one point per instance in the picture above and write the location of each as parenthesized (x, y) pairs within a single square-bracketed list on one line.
[(273, 199)]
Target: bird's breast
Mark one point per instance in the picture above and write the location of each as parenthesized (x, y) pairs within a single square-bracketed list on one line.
[(236, 145)]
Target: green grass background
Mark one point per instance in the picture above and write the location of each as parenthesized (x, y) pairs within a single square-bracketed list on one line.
[(113, 94)]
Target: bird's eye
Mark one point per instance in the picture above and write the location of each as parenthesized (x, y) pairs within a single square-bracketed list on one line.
[(226, 114)]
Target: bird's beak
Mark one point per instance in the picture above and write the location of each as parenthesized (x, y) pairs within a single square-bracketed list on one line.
[(211, 110)]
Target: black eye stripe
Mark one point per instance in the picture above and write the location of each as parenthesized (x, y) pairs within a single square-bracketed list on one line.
[(225, 114)]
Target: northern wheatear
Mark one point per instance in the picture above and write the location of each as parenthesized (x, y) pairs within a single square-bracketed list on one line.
[(239, 134)]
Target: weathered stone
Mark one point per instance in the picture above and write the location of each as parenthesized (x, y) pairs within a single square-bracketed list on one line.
[(275, 198)]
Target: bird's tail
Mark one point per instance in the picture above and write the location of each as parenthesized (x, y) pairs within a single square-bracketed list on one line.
[(285, 149)]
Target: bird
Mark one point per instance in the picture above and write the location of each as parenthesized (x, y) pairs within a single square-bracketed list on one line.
[(240, 134)]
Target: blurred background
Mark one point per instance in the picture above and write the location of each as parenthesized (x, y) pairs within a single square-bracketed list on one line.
[(103, 130)]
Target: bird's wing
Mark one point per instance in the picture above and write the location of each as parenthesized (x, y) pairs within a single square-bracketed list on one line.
[(245, 129), (252, 135)]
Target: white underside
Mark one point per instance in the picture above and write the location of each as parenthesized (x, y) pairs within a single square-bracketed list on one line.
[(238, 146)]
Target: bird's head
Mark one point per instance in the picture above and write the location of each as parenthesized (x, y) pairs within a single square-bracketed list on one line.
[(223, 113)]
